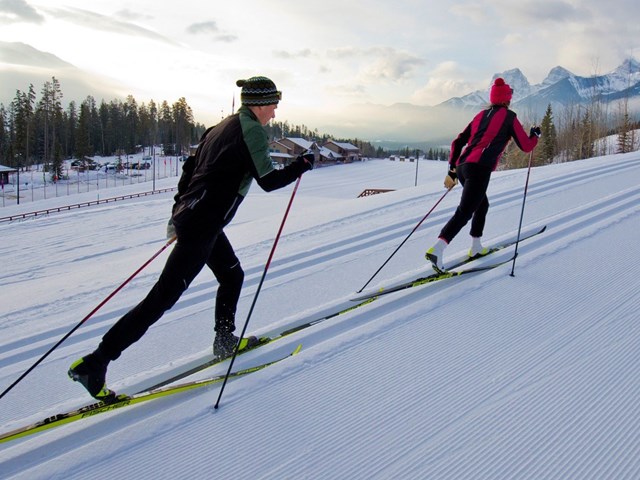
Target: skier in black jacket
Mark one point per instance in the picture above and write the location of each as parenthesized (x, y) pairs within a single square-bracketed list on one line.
[(213, 184)]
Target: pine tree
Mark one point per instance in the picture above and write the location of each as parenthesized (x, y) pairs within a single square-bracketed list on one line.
[(56, 162), (182, 120), (83, 143), (22, 124), (165, 130), (71, 123), (49, 111), (131, 124), (625, 130), (586, 136), (29, 106), (548, 140), (4, 137)]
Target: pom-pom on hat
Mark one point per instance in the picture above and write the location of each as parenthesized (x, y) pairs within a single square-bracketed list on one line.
[(500, 92), (258, 91)]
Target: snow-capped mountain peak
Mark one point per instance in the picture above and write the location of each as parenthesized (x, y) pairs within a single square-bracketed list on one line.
[(560, 88), (517, 80), (555, 75)]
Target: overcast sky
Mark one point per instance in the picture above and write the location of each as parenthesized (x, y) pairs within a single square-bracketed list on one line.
[(324, 55)]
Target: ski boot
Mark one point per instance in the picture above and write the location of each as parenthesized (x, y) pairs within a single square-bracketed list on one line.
[(91, 372), (225, 343)]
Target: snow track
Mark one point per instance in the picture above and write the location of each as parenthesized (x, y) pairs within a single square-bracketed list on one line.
[(481, 376)]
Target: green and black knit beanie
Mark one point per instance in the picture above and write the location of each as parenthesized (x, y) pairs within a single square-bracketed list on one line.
[(258, 91)]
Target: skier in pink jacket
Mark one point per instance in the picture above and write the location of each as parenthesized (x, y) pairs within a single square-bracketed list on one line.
[(485, 138)]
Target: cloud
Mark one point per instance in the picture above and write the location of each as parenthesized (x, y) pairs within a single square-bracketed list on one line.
[(474, 11), (344, 52), (211, 27), (362, 74), (556, 11), (514, 39), (392, 65), (21, 54), (203, 27), (378, 63), (15, 11), (284, 54), (526, 12), (226, 38), (22, 65), (133, 15), (348, 91), (447, 80), (106, 23), (539, 34)]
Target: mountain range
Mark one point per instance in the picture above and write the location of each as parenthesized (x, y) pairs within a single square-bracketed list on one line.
[(560, 88), (439, 124)]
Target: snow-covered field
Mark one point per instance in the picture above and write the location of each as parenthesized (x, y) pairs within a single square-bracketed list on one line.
[(34, 185), (482, 376)]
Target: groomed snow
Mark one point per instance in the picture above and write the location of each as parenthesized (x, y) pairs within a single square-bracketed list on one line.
[(535, 375)]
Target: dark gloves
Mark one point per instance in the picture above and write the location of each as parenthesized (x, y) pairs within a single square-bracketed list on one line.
[(535, 131), (451, 180), (306, 160)]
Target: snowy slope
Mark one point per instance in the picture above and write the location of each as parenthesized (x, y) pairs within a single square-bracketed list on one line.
[(484, 376)]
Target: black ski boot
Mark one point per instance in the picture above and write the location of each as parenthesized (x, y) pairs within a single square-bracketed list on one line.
[(225, 343), (91, 372)]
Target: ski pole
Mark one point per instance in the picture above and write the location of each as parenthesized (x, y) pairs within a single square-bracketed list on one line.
[(89, 315), (526, 186), (255, 297), (404, 241)]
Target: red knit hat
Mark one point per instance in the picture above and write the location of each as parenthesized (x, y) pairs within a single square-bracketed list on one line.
[(500, 92)]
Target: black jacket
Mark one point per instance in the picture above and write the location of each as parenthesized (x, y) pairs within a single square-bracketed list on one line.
[(217, 178)]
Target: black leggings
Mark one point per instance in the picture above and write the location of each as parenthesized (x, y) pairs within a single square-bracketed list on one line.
[(186, 260), (473, 203)]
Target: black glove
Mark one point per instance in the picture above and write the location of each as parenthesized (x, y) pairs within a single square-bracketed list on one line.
[(535, 131), (451, 180), (306, 159), (452, 173)]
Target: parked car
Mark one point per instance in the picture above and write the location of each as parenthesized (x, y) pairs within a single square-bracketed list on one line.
[(85, 164), (141, 165)]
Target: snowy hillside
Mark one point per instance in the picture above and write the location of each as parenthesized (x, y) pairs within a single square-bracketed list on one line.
[(489, 375)]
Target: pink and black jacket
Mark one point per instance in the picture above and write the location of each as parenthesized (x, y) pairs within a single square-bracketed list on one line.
[(487, 136)]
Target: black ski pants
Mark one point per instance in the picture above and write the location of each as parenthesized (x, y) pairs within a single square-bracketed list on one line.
[(185, 261), (474, 203)]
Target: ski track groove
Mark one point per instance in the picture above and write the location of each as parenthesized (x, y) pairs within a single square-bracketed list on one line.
[(570, 356), (494, 400), (351, 246), (582, 216), (383, 460), (493, 406)]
